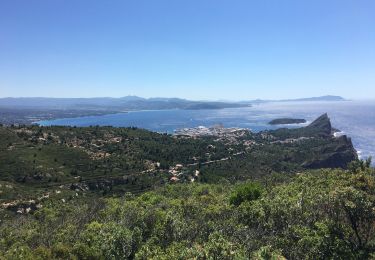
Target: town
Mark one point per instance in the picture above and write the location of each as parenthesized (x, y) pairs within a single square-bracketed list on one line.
[(216, 130)]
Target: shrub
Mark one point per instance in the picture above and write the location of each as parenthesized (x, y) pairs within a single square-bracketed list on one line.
[(246, 192)]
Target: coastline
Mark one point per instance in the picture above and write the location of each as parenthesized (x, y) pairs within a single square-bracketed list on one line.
[(254, 118)]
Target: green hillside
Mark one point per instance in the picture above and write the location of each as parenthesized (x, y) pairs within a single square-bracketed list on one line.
[(36, 159), (127, 193), (323, 214)]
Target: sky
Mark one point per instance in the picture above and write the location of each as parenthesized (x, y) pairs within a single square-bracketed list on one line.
[(195, 49)]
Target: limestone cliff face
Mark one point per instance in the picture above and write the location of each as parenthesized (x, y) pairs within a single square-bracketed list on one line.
[(324, 150), (321, 126), (337, 154)]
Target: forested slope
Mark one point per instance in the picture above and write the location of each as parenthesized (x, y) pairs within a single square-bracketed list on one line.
[(127, 193), (321, 214)]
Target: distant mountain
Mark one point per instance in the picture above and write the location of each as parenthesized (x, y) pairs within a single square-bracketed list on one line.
[(328, 98), (132, 98), (322, 98), (128, 103), (212, 105), (168, 99), (132, 103)]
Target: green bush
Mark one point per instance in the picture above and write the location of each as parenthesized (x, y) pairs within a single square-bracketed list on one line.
[(246, 192), (322, 214)]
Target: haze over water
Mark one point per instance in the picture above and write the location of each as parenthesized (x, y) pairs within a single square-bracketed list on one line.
[(355, 118)]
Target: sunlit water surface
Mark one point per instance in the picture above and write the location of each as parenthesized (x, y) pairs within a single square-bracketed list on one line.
[(354, 118)]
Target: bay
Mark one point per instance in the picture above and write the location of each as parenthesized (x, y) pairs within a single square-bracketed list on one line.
[(354, 118)]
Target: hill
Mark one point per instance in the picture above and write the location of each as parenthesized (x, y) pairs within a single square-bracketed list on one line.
[(127, 193), (322, 214), (327, 98), (30, 110), (111, 160), (321, 98), (106, 103)]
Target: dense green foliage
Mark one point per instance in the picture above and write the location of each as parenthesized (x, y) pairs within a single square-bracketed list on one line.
[(115, 160), (245, 192), (127, 193), (314, 215)]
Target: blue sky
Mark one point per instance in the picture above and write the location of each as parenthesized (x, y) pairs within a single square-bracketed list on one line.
[(196, 49)]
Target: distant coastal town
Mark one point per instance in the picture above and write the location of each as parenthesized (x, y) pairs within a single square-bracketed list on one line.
[(216, 130)]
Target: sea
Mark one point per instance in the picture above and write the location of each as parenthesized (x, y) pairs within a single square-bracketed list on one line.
[(355, 119)]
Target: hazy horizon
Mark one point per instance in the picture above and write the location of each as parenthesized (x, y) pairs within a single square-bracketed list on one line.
[(183, 98)]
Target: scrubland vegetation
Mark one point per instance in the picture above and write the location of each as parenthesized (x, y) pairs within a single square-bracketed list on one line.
[(126, 193), (316, 214)]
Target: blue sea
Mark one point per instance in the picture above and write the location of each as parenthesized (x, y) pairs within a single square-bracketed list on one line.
[(354, 118)]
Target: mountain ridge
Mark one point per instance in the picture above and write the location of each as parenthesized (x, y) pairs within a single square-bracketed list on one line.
[(120, 104), (326, 98), (113, 101)]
